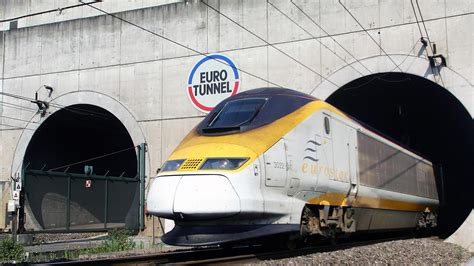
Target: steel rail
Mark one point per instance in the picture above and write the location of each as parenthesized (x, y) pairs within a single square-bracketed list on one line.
[(217, 255)]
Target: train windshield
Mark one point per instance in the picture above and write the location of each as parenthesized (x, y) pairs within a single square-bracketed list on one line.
[(236, 113)]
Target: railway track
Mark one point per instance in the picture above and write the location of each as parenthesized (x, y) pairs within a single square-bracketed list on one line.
[(242, 254)]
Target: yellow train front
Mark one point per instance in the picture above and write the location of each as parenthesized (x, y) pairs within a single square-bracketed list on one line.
[(272, 161)]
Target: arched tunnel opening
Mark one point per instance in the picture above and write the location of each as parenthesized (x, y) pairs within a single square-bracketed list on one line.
[(80, 167), (429, 120)]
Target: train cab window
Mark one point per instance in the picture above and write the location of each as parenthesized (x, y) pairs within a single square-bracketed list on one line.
[(236, 113), (327, 125)]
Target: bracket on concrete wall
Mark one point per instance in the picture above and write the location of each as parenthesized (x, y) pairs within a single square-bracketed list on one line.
[(42, 105), (423, 41), (433, 60)]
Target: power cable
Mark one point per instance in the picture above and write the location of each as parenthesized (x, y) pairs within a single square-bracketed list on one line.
[(329, 35), (73, 109), (421, 34), (18, 119), (417, 23), (177, 43), (380, 76), (17, 96), (372, 38), (93, 158), (267, 43), (314, 38), (12, 127), (422, 21), (429, 40), (16, 106), (80, 111), (60, 9)]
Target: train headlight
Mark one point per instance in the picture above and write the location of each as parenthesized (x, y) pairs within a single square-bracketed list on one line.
[(223, 163), (172, 165)]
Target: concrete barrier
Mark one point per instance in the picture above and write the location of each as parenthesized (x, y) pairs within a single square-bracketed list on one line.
[(464, 236)]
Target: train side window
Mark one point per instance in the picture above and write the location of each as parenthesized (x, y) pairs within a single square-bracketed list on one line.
[(327, 126)]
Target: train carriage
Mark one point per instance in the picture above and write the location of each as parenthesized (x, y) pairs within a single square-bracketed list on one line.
[(271, 161)]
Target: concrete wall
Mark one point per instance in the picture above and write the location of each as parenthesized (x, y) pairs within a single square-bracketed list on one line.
[(82, 50), (16, 8)]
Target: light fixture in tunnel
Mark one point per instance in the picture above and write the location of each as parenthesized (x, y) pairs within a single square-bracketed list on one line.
[(88, 169)]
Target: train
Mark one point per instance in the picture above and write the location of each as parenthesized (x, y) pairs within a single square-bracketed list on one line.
[(274, 161)]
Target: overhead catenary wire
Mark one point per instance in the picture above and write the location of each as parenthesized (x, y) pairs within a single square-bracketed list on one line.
[(68, 108), (380, 76), (16, 96), (329, 35), (60, 9), (17, 106), (424, 26), (314, 38), (416, 19), (12, 127), (178, 43), (372, 38), (421, 32), (269, 44), (18, 119), (93, 158), (427, 37)]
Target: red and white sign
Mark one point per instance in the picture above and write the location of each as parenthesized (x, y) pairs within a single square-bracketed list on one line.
[(88, 183), (16, 195), (212, 79)]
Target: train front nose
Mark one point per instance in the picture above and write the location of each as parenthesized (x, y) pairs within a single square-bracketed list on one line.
[(189, 197)]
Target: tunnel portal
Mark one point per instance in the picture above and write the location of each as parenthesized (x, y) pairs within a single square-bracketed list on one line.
[(429, 120), (80, 173)]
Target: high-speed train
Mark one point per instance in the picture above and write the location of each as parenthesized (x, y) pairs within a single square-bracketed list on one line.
[(276, 161)]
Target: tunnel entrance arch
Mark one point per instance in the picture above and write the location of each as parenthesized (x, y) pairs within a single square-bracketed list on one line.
[(429, 119), (79, 167)]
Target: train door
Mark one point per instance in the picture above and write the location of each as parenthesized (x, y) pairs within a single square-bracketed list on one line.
[(321, 153), (353, 165), (340, 145), (275, 165)]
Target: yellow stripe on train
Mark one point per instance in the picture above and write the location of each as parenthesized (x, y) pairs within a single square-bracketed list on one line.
[(339, 199)]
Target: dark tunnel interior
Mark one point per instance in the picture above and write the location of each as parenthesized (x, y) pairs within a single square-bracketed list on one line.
[(66, 142), (78, 133), (429, 120)]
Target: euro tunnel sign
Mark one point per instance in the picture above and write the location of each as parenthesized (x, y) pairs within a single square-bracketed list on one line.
[(212, 79)]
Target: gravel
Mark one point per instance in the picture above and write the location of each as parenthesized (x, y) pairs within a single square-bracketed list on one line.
[(409, 251)]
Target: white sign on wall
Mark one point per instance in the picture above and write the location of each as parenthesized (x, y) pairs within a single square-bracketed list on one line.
[(212, 79), (16, 195)]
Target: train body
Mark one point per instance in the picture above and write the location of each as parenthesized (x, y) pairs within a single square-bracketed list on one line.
[(272, 161)]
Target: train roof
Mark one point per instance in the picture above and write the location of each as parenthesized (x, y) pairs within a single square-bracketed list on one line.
[(271, 92)]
